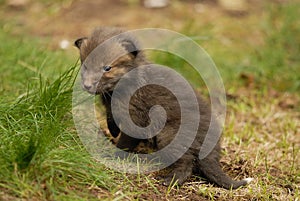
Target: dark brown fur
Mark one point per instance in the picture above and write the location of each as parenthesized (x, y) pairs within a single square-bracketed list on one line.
[(141, 103)]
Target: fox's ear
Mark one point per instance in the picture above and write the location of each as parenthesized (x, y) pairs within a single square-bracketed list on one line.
[(130, 47), (80, 41)]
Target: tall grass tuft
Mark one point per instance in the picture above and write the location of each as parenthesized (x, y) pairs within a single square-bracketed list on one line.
[(40, 152)]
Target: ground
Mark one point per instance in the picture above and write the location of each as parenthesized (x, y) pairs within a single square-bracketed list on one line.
[(262, 132)]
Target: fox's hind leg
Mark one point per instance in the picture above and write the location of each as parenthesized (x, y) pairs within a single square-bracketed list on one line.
[(181, 170)]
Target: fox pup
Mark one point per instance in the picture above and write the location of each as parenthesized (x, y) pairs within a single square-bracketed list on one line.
[(101, 74)]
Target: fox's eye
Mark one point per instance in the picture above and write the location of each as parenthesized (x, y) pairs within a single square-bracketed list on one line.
[(106, 68)]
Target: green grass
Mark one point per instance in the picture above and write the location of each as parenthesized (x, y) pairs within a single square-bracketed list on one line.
[(24, 62), (42, 158)]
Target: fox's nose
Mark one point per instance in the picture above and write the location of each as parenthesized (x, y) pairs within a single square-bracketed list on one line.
[(87, 87)]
